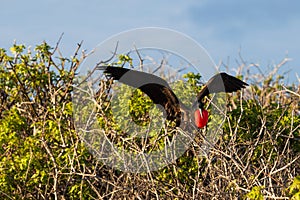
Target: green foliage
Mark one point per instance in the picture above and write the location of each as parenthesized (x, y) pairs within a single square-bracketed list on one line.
[(37, 142), (294, 189), (255, 193), (123, 59), (193, 80), (131, 106), (43, 157), (187, 89)]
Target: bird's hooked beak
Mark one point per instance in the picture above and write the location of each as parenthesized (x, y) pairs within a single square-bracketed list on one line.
[(201, 114)]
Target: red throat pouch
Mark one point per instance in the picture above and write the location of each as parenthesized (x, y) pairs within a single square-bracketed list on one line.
[(201, 119)]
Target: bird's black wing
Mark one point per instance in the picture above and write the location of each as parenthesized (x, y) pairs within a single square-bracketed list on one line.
[(155, 87), (221, 82)]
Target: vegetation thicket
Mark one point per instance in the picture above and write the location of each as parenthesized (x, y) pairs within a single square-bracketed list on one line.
[(43, 157)]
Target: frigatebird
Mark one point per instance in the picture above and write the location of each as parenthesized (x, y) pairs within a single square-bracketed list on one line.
[(161, 93)]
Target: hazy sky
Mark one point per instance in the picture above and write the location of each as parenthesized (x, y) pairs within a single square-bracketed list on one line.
[(264, 31)]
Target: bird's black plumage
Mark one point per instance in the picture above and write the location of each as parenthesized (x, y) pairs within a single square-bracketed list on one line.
[(155, 87), (161, 93), (220, 82)]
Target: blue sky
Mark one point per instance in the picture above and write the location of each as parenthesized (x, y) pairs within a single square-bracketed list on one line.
[(264, 31)]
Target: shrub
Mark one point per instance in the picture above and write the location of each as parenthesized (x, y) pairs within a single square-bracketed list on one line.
[(42, 156)]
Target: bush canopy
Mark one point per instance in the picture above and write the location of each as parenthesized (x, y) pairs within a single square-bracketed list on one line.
[(43, 157)]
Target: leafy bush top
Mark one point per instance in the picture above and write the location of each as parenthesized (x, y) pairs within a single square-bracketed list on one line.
[(42, 156)]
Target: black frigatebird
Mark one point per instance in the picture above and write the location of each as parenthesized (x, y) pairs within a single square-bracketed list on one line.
[(161, 93)]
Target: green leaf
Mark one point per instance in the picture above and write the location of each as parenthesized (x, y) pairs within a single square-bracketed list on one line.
[(255, 193)]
